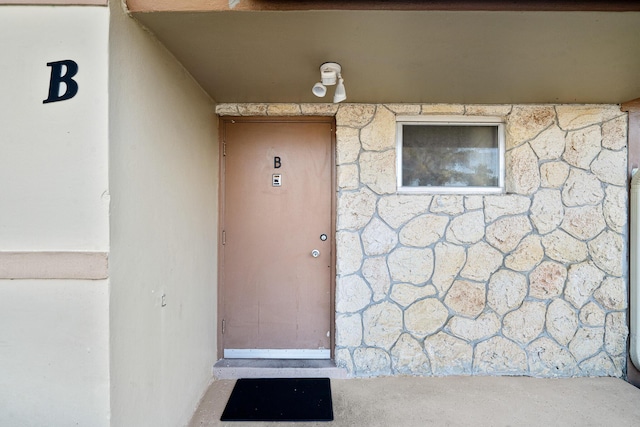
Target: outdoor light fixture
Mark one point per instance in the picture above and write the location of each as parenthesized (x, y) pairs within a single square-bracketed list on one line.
[(330, 74)]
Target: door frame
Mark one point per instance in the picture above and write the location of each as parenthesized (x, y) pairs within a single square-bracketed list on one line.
[(222, 120)]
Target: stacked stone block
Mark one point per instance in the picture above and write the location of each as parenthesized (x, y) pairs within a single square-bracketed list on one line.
[(531, 282)]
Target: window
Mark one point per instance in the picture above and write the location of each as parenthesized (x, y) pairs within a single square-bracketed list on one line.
[(450, 154)]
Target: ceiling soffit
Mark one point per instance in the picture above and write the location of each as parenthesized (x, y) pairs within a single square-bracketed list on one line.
[(408, 55)]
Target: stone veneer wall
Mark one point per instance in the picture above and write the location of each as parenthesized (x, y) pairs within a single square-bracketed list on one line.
[(532, 282)]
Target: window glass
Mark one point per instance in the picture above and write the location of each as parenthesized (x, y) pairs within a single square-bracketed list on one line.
[(450, 156)]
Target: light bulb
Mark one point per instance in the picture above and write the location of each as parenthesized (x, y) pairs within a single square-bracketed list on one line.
[(319, 90), (341, 93)]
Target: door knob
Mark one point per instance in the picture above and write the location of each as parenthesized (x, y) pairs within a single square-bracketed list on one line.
[(315, 253)]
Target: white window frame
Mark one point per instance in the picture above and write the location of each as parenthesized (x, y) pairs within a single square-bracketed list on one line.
[(455, 121)]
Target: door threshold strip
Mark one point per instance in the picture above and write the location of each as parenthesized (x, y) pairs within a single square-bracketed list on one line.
[(277, 368)]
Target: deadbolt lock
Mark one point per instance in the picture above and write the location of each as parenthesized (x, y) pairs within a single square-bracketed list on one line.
[(315, 253)]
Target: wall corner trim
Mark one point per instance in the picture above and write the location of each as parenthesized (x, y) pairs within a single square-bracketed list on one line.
[(633, 105), (633, 108), (54, 265), (54, 2)]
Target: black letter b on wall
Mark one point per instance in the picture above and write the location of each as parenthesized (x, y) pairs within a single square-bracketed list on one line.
[(70, 69)]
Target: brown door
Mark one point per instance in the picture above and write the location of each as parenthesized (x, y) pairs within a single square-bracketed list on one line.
[(277, 238)]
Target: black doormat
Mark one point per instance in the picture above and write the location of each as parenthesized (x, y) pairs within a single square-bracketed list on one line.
[(280, 399)]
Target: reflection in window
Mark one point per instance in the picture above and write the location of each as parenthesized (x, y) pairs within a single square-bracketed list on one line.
[(463, 156)]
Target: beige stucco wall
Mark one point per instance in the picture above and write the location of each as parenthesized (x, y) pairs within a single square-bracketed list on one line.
[(54, 156), (54, 354), (54, 360), (163, 177), (532, 282)]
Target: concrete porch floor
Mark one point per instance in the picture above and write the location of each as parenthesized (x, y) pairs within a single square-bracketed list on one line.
[(459, 401)]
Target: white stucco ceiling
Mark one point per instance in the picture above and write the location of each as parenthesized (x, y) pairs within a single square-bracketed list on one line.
[(408, 56)]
